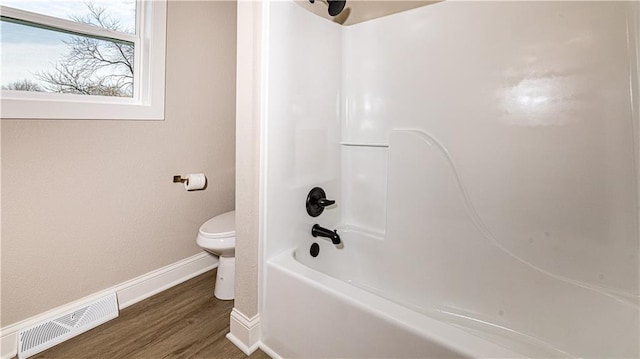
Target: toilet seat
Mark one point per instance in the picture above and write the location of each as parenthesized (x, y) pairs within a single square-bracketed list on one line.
[(221, 226), (219, 246), (218, 235)]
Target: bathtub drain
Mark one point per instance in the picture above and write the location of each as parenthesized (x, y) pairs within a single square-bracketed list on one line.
[(315, 249)]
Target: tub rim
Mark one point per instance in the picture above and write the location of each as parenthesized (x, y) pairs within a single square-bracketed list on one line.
[(440, 332)]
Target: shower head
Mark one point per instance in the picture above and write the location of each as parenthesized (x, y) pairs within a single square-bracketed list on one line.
[(335, 6)]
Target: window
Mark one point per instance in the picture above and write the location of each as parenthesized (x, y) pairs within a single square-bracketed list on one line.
[(75, 59)]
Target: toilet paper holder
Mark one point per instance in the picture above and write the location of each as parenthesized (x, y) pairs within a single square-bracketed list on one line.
[(192, 181), (179, 179)]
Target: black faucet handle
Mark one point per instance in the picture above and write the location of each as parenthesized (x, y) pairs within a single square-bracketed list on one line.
[(316, 201), (323, 202)]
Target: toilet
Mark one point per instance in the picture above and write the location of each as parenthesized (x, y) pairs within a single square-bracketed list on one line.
[(218, 236)]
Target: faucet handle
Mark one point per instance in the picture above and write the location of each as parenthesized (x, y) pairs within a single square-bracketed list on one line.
[(323, 202), (316, 201)]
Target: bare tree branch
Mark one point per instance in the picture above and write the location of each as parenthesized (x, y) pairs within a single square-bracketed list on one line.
[(92, 66)]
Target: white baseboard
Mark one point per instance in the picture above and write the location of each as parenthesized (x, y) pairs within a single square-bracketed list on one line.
[(270, 352), (245, 332), (154, 282), (129, 292)]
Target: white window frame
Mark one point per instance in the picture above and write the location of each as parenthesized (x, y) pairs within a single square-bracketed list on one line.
[(147, 102)]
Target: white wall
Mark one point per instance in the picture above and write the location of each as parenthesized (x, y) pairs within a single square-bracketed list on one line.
[(302, 127), (364, 188), (302, 123), (531, 101), (537, 119)]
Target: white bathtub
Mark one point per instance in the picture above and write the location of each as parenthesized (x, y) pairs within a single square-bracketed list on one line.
[(340, 304), (324, 317)]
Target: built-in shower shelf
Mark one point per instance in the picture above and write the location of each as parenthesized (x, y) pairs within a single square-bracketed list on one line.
[(363, 144)]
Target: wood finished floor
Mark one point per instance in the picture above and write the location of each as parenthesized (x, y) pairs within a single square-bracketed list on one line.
[(185, 321)]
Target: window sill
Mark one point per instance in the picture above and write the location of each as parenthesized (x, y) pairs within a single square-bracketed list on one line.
[(15, 105)]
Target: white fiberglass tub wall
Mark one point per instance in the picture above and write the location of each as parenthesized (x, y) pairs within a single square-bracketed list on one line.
[(303, 129), (507, 197), (534, 109), (535, 228)]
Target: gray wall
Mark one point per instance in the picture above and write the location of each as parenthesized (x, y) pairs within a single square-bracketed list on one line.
[(90, 204)]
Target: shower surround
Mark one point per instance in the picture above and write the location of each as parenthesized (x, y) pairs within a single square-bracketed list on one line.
[(483, 156)]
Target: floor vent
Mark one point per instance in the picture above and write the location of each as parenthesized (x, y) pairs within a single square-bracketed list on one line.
[(46, 334)]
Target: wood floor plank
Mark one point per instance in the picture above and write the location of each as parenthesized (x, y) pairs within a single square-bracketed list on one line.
[(185, 321)]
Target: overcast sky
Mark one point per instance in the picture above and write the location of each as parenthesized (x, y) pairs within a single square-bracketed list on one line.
[(26, 50)]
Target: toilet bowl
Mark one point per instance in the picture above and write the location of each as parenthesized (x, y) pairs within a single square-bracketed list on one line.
[(218, 236)]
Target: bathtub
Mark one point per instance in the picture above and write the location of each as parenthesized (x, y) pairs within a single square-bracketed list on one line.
[(328, 318), (332, 306), (327, 315)]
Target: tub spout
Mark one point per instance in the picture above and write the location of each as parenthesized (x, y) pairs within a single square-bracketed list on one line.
[(318, 231)]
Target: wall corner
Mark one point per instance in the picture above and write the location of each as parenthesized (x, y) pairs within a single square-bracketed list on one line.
[(245, 331)]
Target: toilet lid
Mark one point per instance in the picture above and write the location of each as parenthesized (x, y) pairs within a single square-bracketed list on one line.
[(221, 226)]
